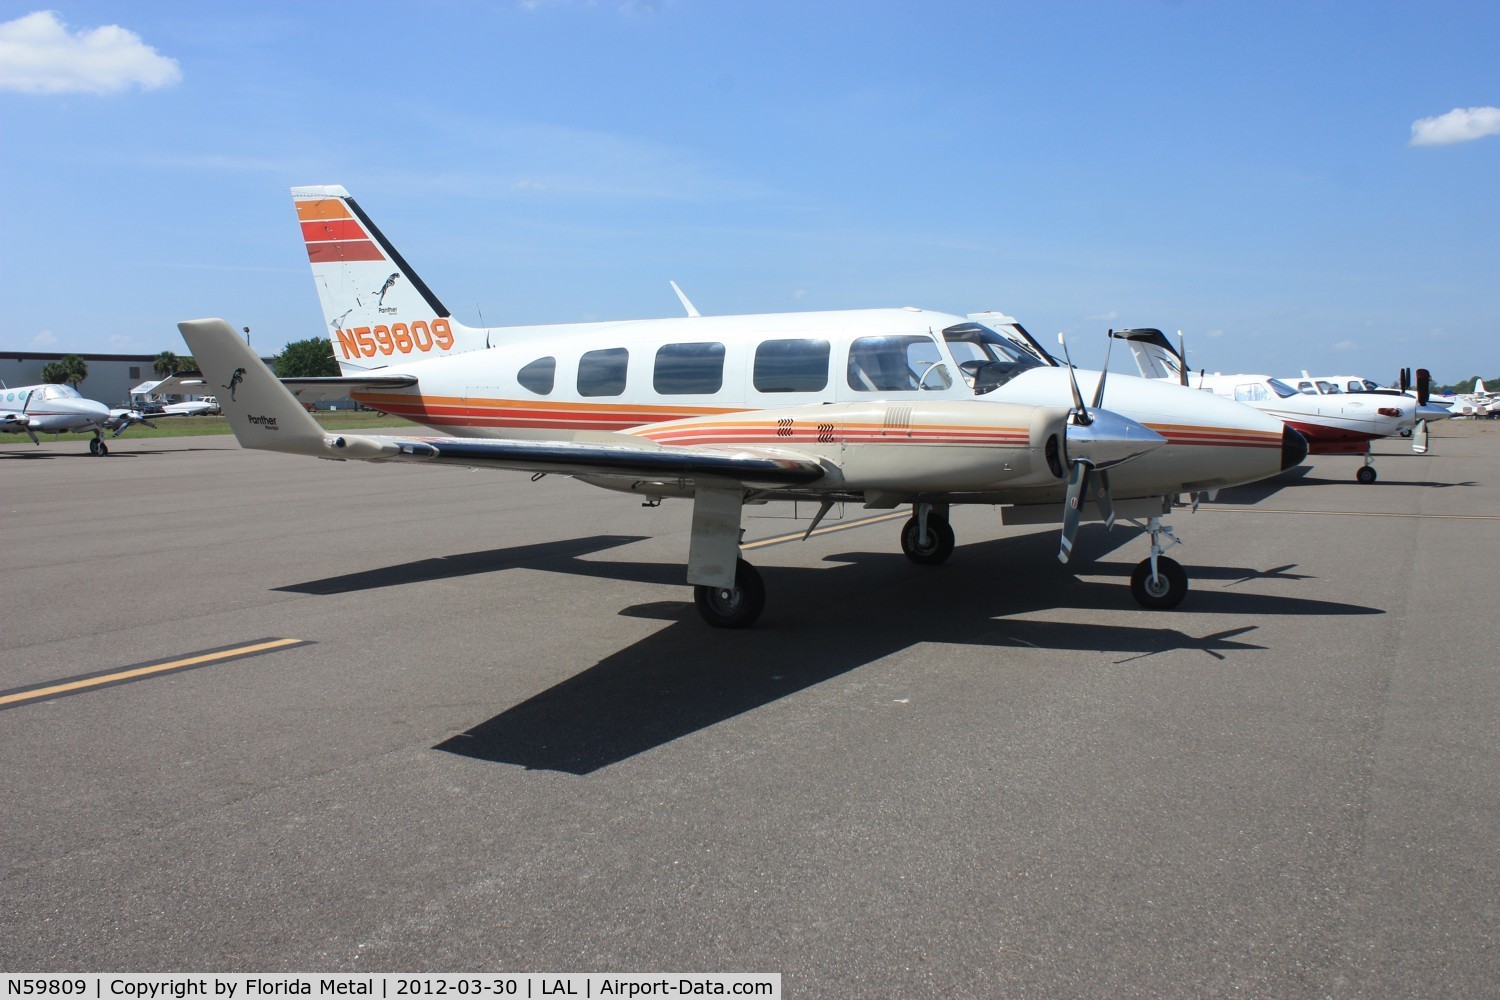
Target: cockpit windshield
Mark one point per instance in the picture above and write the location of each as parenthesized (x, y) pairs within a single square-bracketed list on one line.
[(57, 392), (988, 360), (1281, 388)]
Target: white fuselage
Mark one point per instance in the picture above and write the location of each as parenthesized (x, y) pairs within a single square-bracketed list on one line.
[(563, 382), (49, 409), (1336, 423)]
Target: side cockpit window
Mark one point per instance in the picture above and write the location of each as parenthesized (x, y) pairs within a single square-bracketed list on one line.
[(897, 363), (538, 376)]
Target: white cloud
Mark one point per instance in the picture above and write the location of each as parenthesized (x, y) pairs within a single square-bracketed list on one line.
[(1346, 345), (43, 340), (1458, 125), (38, 55)]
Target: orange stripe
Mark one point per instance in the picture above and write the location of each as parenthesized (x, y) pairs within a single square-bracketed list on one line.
[(322, 208)]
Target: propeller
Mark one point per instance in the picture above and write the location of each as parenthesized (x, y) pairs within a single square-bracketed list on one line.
[(1094, 443), (1182, 367), (1424, 392)]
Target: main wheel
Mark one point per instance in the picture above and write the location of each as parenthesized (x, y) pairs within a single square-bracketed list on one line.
[(939, 540), (1366, 474), (1165, 591), (733, 608)]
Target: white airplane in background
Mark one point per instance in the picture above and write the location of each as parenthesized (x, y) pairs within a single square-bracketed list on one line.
[(1479, 403), (882, 407), (1333, 424), (61, 409), (1426, 411)]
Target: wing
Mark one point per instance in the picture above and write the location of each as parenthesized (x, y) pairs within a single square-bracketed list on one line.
[(264, 414)]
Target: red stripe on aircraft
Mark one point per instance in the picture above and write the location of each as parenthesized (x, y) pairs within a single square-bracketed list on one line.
[(323, 230), (323, 253)]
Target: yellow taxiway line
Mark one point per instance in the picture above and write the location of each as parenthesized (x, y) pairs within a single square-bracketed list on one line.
[(121, 675)]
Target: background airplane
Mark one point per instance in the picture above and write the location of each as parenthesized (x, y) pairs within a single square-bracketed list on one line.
[(1332, 424), (53, 409)]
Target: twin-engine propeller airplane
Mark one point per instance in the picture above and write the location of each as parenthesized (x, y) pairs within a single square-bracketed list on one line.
[(881, 407), (1333, 423), (62, 409), (53, 409)]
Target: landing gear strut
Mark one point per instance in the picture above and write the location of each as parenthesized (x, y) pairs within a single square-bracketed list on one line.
[(1159, 583)]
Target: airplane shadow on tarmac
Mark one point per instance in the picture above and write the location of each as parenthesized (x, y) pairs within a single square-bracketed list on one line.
[(1253, 493), (820, 622)]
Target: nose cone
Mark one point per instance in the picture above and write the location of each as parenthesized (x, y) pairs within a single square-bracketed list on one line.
[(1293, 448), (1109, 439), (94, 409)]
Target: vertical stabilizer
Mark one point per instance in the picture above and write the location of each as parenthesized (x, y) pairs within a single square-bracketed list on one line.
[(378, 310)]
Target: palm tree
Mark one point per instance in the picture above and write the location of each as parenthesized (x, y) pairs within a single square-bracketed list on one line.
[(166, 364), (75, 369)]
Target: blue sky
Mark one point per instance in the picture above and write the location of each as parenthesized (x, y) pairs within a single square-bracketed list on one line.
[(1244, 172)]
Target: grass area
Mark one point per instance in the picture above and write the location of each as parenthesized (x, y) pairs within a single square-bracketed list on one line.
[(199, 426)]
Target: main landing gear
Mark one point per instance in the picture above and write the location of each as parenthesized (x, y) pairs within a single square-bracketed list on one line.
[(927, 539), (1366, 473), (733, 607)]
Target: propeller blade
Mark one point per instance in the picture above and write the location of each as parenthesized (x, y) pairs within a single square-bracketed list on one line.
[(1078, 481), (1083, 413), (1419, 438), (1424, 386), (1099, 390), (32, 434), (1104, 500), (1182, 370)]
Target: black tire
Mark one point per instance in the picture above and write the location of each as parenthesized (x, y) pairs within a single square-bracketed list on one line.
[(939, 541), (737, 608), (1167, 591), (1366, 474), (103, 448)]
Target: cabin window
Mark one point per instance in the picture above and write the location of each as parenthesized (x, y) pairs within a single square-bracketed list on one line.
[(602, 373), (791, 366), (538, 376), (689, 369), (893, 364)]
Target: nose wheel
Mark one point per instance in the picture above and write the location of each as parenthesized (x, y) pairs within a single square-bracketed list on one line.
[(1159, 583), (1161, 590), (97, 446)]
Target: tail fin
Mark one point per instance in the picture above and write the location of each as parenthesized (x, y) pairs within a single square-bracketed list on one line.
[(1155, 356), (262, 412), (377, 309)]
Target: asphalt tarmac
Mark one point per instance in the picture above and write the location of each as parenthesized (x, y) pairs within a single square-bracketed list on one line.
[(498, 737)]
